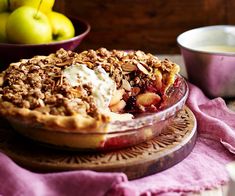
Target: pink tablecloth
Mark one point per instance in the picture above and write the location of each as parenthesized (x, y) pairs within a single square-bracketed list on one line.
[(203, 169)]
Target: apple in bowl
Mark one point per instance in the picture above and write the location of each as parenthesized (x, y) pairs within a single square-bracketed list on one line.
[(62, 27), (29, 30), (3, 20), (45, 6), (26, 25), (33, 22), (14, 52)]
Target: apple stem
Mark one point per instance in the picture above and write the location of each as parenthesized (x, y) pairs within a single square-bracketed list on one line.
[(8, 5), (40, 3)]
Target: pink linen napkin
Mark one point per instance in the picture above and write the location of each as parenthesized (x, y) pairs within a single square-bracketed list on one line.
[(15, 180), (203, 169), (214, 119)]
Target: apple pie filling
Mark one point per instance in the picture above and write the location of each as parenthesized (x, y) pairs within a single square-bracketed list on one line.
[(94, 84)]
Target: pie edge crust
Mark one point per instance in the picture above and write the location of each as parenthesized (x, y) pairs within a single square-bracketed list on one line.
[(32, 118)]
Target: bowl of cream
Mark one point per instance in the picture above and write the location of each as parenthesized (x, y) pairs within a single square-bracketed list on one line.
[(209, 56)]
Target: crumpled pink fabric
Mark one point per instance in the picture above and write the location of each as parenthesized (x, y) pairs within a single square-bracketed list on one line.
[(17, 181), (214, 119), (203, 169)]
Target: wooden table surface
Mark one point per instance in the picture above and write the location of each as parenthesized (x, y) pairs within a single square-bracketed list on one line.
[(150, 25)]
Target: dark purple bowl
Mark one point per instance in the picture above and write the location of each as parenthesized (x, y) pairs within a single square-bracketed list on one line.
[(14, 52)]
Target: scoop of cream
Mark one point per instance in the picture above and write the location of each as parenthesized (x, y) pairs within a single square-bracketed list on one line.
[(103, 87)]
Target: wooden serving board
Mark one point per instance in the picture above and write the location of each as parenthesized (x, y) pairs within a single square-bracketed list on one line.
[(160, 153)]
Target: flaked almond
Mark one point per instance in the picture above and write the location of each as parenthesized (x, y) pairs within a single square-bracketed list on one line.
[(142, 69), (68, 62), (118, 107), (156, 63), (41, 102), (126, 85), (125, 72), (89, 64), (76, 92), (117, 96), (129, 67), (140, 54), (148, 99)]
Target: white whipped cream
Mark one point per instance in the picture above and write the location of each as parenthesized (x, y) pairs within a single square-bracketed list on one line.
[(102, 85)]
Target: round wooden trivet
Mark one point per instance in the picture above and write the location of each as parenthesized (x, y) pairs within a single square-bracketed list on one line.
[(160, 153)]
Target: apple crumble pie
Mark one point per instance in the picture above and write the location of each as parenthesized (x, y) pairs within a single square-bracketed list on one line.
[(69, 91)]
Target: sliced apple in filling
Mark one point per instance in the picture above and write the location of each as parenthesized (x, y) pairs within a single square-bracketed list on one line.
[(117, 96), (148, 99)]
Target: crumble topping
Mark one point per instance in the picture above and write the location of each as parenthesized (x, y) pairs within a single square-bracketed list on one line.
[(43, 84)]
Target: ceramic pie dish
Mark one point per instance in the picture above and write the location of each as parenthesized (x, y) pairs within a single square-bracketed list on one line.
[(93, 100)]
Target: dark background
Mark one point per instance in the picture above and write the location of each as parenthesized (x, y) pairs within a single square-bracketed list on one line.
[(149, 25)]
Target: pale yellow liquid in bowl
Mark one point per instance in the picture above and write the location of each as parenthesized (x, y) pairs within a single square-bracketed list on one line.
[(217, 48)]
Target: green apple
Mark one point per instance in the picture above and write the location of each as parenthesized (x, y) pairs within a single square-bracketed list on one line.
[(27, 25), (62, 27), (46, 5), (3, 20), (3, 5)]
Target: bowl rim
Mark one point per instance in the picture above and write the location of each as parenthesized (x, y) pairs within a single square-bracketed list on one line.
[(80, 36), (179, 42)]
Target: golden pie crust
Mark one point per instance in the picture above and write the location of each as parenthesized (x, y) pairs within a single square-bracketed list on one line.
[(34, 92)]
